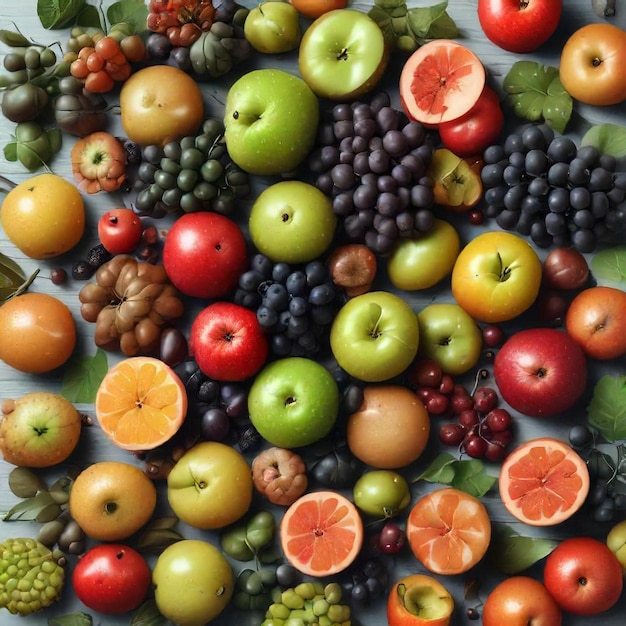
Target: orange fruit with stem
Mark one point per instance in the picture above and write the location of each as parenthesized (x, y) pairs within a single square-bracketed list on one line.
[(448, 530), (141, 403), (543, 482), (321, 533)]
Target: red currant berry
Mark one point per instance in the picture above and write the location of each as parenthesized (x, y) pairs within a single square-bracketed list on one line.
[(498, 420), (468, 419), (475, 446), (427, 373), (493, 336), (485, 399), (437, 404), (451, 434), (446, 385)]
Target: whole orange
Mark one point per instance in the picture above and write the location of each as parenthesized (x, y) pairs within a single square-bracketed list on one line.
[(37, 333), (111, 500), (43, 216), (390, 430)]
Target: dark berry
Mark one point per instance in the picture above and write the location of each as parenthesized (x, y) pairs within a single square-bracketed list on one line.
[(58, 275), (472, 614), (98, 255), (82, 270), (133, 152), (250, 439)]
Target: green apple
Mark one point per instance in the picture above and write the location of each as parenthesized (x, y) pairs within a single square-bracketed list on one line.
[(450, 336), (273, 27), (292, 222), (382, 493), (293, 402), (39, 429), (616, 540), (210, 486), (421, 262), (270, 121), (193, 582), (375, 336), (343, 54)]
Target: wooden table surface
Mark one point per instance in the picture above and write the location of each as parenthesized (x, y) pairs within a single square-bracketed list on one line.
[(576, 13)]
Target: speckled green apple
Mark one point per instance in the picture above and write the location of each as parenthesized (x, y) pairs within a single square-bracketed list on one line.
[(422, 261), (292, 221), (450, 336), (273, 27), (270, 121), (293, 402), (375, 336), (343, 54), (381, 493)]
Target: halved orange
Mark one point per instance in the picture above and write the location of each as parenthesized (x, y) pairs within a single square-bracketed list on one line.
[(441, 81), (141, 403), (321, 533), (448, 530), (543, 482)]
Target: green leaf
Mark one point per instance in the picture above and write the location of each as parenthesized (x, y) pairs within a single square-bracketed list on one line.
[(607, 409), (90, 17), (14, 40), (30, 508), (10, 151), (536, 93), (133, 11), (607, 138), (83, 376), (55, 14), (468, 475), (609, 265), (71, 619), (148, 615), (12, 278), (55, 139), (513, 553), (432, 22), (25, 483)]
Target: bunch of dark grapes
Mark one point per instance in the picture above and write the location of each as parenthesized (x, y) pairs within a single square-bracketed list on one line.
[(216, 408), (368, 581), (373, 163), (192, 174), (607, 494), (295, 305), (561, 195), (481, 429)]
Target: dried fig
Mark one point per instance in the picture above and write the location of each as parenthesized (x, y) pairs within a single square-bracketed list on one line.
[(280, 475)]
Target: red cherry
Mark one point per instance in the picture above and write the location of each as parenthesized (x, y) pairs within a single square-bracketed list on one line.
[(493, 336), (498, 420)]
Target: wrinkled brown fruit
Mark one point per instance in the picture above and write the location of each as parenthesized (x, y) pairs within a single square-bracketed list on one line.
[(353, 268)]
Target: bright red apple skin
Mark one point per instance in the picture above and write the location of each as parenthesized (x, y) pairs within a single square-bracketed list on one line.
[(204, 254), (227, 342), (540, 371), (517, 26), (583, 576)]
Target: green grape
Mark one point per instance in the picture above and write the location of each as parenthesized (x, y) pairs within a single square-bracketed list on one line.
[(156, 192), (205, 192), (14, 62), (170, 165), (187, 142), (172, 150), (254, 584), (189, 203), (47, 57), (191, 158), (164, 179), (213, 127), (187, 179), (171, 197), (211, 170)]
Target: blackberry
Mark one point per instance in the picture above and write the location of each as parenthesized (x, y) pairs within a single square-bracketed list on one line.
[(82, 270), (133, 152), (249, 439), (98, 255)]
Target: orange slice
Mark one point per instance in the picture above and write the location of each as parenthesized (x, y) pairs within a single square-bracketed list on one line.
[(141, 403), (321, 533), (441, 81), (543, 482), (449, 531)]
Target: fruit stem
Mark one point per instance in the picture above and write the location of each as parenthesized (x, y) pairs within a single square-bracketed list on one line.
[(9, 183)]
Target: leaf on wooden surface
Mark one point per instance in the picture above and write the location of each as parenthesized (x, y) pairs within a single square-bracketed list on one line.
[(609, 266), (133, 11), (25, 482), (30, 508), (55, 14), (83, 377), (607, 409), (607, 138), (148, 615), (71, 619)]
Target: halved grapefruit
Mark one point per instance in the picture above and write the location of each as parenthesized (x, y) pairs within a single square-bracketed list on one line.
[(141, 403), (543, 482), (441, 81), (448, 530), (321, 533)]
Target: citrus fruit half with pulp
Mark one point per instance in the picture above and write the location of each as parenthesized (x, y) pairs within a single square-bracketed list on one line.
[(448, 530), (321, 533), (543, 482), (441, 81), (141, 403)]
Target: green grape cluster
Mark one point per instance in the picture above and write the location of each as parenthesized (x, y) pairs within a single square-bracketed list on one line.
[(309, 604), (189, 175), (256, 590), (31, 576)]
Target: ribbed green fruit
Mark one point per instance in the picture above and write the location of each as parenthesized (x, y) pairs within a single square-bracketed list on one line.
[(31, 577)]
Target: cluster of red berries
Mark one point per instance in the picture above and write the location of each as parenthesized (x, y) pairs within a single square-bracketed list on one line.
[(477, 426), (182, 21)]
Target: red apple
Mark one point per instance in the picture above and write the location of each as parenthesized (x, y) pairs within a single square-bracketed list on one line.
[(204, 254), (520, 601), (228, 342), (540, 371), (519, 26), (583, 576)]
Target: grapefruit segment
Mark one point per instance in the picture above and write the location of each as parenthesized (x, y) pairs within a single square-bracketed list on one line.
[(449, 531), (441, 81), (140, 403), (543, 482), (321, 533)]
